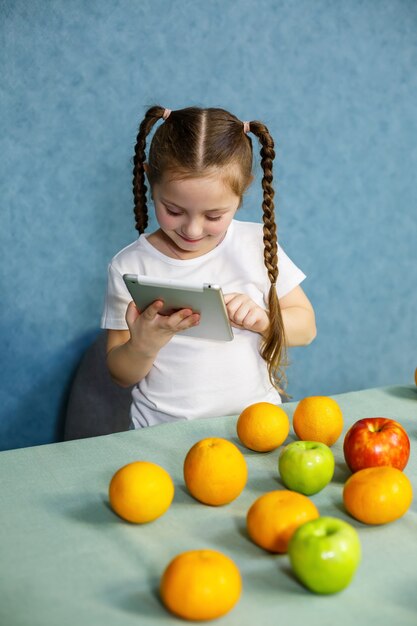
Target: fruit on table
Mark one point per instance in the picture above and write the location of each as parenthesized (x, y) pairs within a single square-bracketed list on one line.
[(377, 495), (318, 418), (273, 518), (376, 441), (215, 471), (141, 491), (306, 466), (263, 426), (324, 554), (200, 585)]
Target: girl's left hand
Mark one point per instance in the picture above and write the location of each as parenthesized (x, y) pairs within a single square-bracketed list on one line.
[(245, 313)]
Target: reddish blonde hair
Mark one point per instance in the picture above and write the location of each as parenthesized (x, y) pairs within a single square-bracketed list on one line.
[(195, 142)]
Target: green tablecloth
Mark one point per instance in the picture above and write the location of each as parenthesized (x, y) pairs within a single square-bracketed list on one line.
[(67, 560)]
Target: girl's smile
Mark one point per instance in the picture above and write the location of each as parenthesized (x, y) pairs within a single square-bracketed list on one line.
[(193, 214), (191, 240)]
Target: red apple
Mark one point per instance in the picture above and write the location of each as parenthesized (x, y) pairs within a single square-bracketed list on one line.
[(376, 441)]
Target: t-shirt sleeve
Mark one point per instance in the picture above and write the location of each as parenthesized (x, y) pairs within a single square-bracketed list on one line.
[(289, 275), (117, 299)]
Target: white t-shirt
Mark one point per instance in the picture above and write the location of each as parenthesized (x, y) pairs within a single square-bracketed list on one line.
[(191, 377)]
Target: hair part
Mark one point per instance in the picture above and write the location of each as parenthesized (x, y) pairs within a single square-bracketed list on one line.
[(194, 143)]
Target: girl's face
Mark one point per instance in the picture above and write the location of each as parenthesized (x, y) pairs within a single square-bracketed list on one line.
[(194, 214)]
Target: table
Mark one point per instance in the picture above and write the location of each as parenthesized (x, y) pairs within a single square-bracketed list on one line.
[(66, 559)]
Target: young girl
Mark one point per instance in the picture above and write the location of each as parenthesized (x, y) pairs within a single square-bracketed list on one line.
[(199, 167)]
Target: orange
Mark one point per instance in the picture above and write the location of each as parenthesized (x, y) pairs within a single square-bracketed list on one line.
[(275, 516), (200, 585), (318, 418), (141, 491), (263, 426), (215, 471), (377, 495)]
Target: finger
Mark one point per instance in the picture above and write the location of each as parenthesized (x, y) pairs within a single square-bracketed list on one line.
[(232, 307), (228, 297), (132, 313), (238, 299), (261, 324), (179, 317), (250, 321), (152, 310), (256, 321), (189, 322), (241, 312), (180, 320)]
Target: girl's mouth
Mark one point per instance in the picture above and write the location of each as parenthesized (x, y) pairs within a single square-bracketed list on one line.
[(190, 240)]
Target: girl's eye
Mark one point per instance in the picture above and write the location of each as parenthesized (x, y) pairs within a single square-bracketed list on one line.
[(208, 217), (213, 219), (171, 212)]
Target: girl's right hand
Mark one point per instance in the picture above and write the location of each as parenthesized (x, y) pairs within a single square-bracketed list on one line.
[(150, 331)]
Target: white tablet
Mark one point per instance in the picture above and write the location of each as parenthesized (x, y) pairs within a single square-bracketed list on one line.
[(206, 299)]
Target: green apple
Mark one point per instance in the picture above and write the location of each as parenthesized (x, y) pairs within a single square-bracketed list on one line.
[(306, 466), (324, 554)]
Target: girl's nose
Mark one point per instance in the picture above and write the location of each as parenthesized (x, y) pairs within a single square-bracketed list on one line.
[(193, 230)]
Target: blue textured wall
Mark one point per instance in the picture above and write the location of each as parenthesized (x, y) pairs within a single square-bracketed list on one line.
[(336, 83)]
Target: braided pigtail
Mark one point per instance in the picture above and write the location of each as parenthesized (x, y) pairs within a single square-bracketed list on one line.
[(139, 185), (273, 349)]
